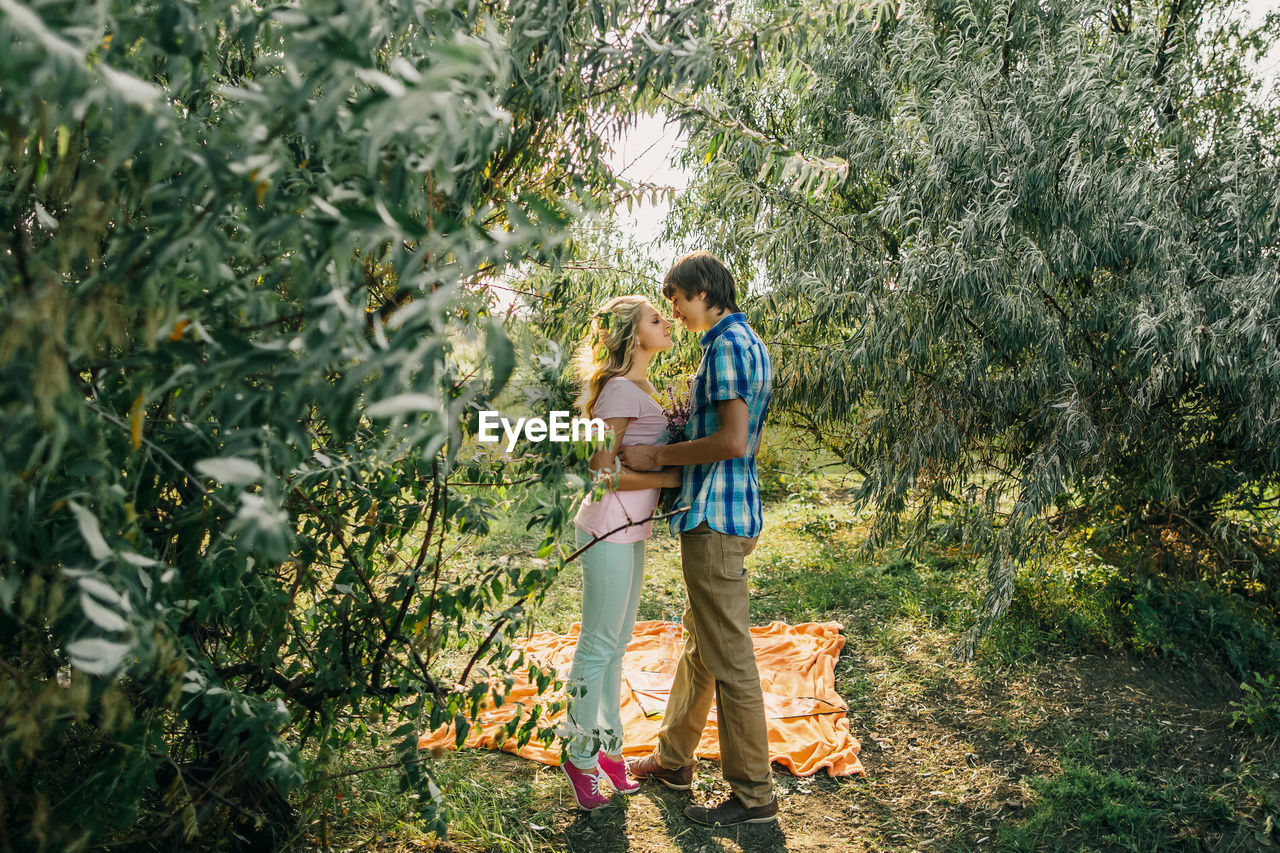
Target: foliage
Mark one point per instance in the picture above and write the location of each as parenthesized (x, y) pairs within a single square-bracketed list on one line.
[(245, 334), (1175, 617), (1134, 815), (1259, 709), (1021, 256), (1073, 600)]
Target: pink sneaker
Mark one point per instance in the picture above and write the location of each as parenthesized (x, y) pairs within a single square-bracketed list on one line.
[(586, 786), (616, 770)]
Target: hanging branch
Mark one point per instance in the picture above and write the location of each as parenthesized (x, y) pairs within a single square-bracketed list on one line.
[(502, 620)]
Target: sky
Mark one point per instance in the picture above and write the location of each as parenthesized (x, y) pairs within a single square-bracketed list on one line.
[(1270, 65), (645, 153)]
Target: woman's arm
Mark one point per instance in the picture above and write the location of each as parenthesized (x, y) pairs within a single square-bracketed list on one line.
[(624, 479), (629, 480)]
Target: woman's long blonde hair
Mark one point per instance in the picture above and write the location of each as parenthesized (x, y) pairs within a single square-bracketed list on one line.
[(609, 349)]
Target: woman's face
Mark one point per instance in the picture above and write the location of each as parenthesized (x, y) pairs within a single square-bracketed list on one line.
[(654, 333)]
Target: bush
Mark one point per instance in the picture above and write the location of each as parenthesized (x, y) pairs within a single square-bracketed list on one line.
[(1258, 711), (245, 337), (1129, 814), (1078, 600)]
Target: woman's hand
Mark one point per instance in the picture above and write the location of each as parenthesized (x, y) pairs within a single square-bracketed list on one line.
[(672, 478)]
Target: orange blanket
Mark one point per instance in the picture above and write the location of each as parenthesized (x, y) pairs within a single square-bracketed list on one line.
[(808, 726)]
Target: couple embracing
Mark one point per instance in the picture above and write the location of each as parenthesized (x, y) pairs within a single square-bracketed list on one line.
[(716, 472)]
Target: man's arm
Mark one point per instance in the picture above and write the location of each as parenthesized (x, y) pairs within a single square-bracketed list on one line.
[(728, 442), (627, 479)]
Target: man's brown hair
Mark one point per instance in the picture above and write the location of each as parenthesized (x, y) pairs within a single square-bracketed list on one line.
[(702, 272)]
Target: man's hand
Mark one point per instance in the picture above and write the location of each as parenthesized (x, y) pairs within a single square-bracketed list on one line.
[(639, 457)]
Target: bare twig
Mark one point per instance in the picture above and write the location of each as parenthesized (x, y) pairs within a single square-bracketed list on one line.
[(502, 620), (439, 495)]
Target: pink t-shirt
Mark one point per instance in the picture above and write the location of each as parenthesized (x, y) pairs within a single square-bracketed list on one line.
[(622, 398)]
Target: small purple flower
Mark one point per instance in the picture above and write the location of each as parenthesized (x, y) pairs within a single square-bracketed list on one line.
[(676, 407)]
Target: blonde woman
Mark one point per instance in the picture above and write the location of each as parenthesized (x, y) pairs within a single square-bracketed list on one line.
[(612, 368)]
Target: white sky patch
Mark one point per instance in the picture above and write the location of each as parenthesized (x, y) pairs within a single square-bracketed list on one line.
[(646, 152), (1269, 67)]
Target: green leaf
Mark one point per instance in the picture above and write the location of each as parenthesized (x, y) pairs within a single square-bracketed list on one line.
[(103, 617), (403, 404), (97, 656), (90, 531), (501, 355), (232, 470)]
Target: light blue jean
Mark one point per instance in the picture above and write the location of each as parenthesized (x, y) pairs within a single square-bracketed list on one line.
[(612, 575)]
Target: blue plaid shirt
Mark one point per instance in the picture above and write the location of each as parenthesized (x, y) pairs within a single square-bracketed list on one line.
[(726, 494)]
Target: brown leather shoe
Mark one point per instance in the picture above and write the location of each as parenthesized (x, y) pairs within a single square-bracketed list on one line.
[(680, 779), (732, 811)]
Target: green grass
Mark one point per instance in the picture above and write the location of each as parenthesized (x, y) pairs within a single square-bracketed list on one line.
[(506, 814), (1084, 807), (484, 810)]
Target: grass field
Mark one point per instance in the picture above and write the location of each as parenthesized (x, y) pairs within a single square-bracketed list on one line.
[(1084, 723)]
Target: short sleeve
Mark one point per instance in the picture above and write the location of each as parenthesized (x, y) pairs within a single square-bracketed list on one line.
[(727, 371), (617, 401)]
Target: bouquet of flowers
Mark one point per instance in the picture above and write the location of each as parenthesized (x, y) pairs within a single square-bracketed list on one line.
[(676, 406)]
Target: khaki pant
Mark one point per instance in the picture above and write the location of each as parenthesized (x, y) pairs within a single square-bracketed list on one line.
[(718, 662)]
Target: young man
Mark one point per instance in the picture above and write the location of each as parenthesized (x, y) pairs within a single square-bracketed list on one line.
[(730, 395)]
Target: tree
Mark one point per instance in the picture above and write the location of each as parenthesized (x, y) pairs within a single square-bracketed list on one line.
[(1026, 258), (243, 258)]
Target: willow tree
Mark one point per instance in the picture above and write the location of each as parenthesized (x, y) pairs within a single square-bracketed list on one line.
[(1025, 256), (241, 245)]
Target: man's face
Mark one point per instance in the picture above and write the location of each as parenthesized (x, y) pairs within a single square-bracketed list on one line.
[(690, 310)]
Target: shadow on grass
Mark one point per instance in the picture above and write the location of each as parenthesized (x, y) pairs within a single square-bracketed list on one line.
[(1101, 752), (690, 837), (603, 831)]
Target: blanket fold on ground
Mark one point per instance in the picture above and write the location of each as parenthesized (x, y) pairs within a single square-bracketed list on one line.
[(808, 723)]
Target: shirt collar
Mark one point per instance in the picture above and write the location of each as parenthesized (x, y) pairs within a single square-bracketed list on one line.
[(721, 326)]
